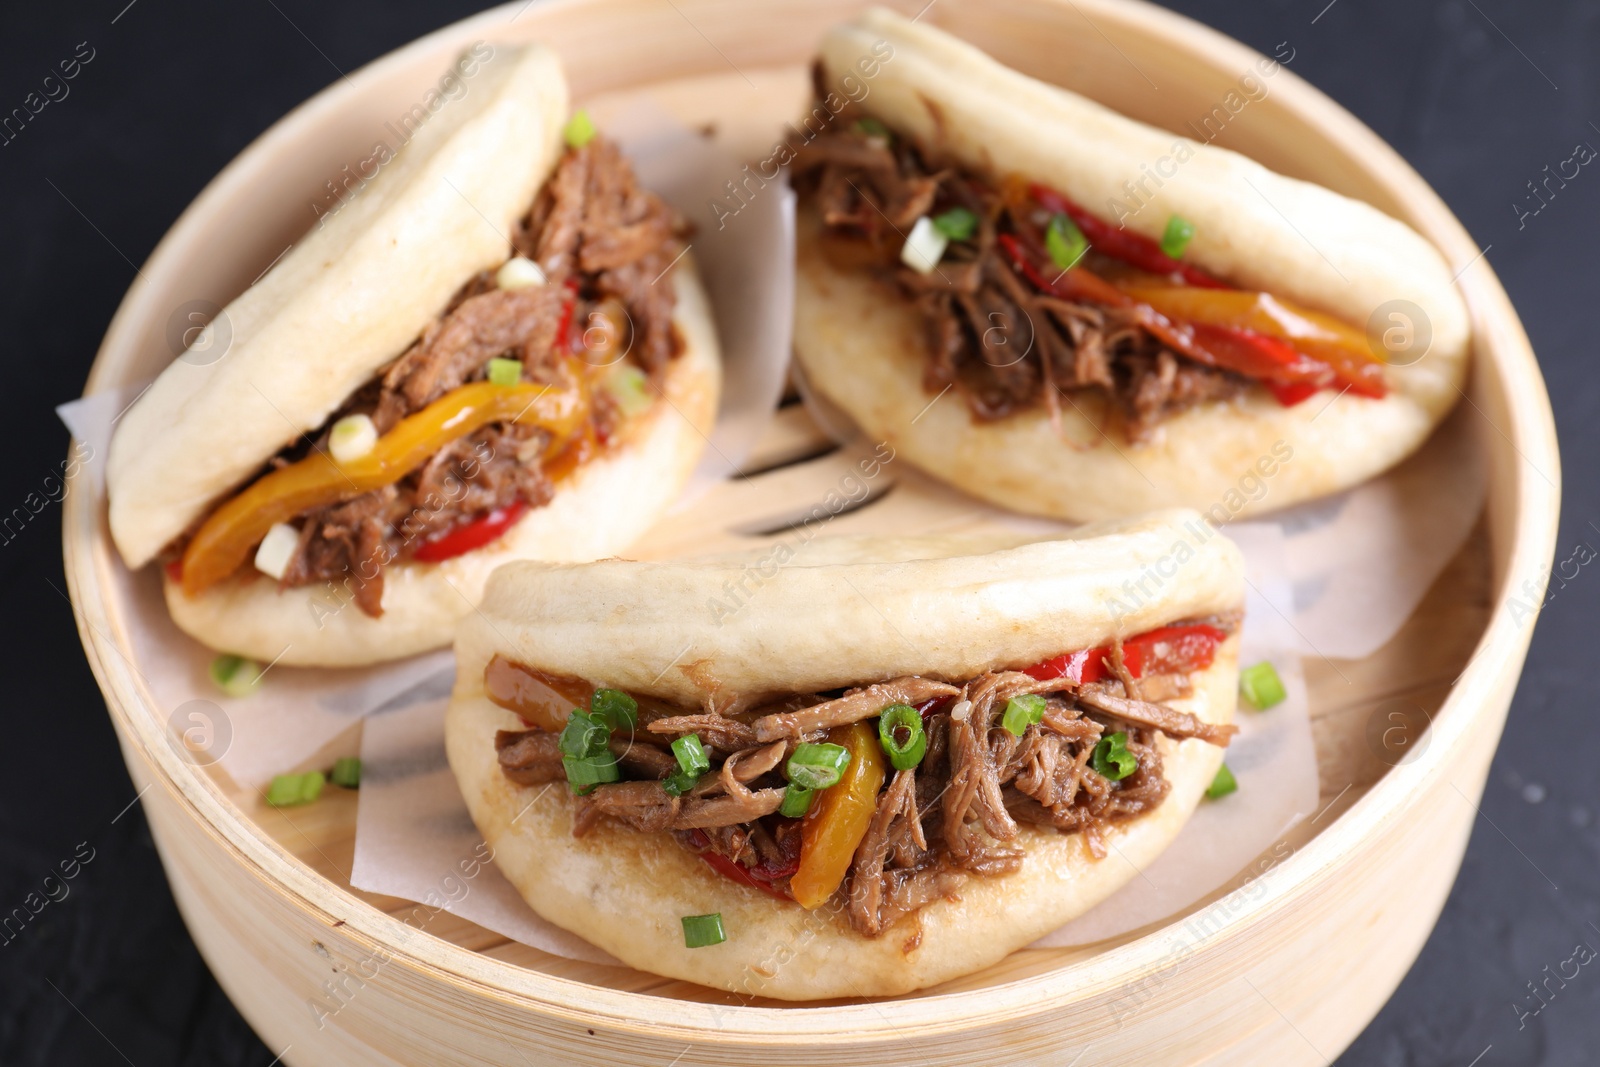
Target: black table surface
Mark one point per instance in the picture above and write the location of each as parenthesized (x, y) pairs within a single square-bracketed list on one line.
[(1480, 95)]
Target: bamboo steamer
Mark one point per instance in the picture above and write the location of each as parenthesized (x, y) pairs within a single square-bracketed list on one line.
[(1285, 966)]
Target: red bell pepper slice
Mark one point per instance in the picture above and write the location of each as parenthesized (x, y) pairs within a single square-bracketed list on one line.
[(1341, 347), (1268, 359), (1082, 284), (1073, 666), (462, 539), (1177, 649), (759, 877), (738, 872), (1075, 283), (565, 342), (1167, 650), (1280, 366), (1122, 244), (1290, 395)]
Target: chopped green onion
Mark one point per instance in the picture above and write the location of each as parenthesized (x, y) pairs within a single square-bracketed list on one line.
[(235, 675), (583, 735), (817, 766), (1022, 711), (702, 930), (284, 791), (352, 437), (796, 801), (679, 782), (873, 128), (1111, 758), (579, 130), (277, 549), (924, 246), (583, 742), (586, 772), (629, 387), (1065, 242), (958, 223), (615, 708), (692, 763), (901, 734), (505, 371), (692, 758), (1261, 687), (519, 272), (347, 772), (1180, 231), (289, 790), (1223, 784)]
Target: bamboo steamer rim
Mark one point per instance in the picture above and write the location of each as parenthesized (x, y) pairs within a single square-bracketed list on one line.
[(1504, 351)]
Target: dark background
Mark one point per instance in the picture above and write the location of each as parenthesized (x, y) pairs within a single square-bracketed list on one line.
[(1480, 95)]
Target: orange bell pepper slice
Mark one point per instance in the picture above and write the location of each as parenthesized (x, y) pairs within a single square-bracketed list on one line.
[(839, 817), (225, 540)]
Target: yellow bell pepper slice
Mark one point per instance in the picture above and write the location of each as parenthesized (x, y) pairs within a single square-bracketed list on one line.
[(839, 817), (225, 540)]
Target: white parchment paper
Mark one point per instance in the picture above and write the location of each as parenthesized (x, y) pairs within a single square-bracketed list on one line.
[(748, 271), (1360, 562)]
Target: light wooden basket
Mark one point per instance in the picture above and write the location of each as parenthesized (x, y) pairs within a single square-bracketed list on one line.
[(1288, 970)]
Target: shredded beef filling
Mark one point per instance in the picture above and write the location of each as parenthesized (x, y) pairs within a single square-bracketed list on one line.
[(953, 816), (591, 229), (990, 334)]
